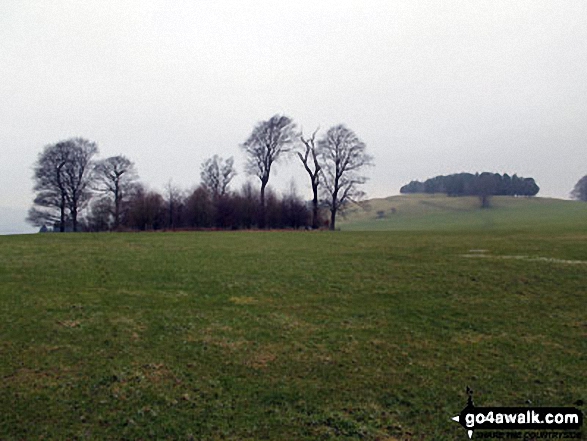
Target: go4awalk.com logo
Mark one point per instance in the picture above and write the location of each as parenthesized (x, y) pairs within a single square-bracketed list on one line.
[(542, 420)]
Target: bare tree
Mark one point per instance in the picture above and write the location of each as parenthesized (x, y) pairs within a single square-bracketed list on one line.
[(309, 158), (342, 155), (62, 177), (146, 209), (580, 190), (199, 208), (175, 202), (116, 176), (50, 204), (216, 175), (78, 175), (268, 141)]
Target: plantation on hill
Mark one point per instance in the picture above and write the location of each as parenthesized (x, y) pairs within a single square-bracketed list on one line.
[(441, 212)]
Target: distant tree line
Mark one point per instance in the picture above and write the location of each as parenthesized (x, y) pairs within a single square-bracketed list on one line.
[(483, 185), (77, 192)]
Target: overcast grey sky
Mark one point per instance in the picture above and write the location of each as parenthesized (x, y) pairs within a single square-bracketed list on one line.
[(432, 87)]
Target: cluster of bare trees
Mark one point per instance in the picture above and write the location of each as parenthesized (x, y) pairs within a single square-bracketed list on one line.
[(334, 163), (75, 192), (69, 181)]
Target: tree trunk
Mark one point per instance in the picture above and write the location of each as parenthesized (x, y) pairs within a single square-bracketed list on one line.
[(62, 218), (315, 207), (485, 201), (74, 219), (116, 207), (332, 219), (334, 205), (262, 217), (116, 214)]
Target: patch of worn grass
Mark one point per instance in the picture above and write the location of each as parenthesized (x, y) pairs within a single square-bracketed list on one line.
[(272, 335)]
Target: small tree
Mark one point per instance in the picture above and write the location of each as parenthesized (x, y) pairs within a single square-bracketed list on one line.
[(247, 205), (199, 209), (580, 190), (269, 140), (294, 212), (146, 209), (342, 155), (485, 187)]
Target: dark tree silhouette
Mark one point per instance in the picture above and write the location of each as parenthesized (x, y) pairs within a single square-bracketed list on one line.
[(115, 177), (78, 176), (146, 210), (175, 203), (199, 209), (479, 184), (580, 190), (309, 157), (50, 203), (63, 178), (486, 186), (342, 155), (269, 140)]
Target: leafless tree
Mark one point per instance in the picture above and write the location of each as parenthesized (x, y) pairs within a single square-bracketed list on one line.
[(78, 175), (199, 209), (309, 157), (342, 155), (146, 209), (216, 174), (175, 201), (50, 203), (116, 176), (268, 141), (62, 174)]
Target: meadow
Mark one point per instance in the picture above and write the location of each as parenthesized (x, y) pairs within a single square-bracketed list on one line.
[(288, 335), (417, 212)]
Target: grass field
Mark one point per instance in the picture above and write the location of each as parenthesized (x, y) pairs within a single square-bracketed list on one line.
[(287, 335), (439, 212)]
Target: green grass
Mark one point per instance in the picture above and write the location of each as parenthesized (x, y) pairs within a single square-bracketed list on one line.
[(439, 212), (277, 335)]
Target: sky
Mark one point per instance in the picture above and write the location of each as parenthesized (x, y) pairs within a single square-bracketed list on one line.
[(431, 87)]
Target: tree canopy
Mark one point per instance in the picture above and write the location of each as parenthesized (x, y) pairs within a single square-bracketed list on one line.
[(468, 184), (63, 176), (580, 190)]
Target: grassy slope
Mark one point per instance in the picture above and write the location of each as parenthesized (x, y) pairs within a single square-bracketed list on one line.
[(439, 212), (284, 335)]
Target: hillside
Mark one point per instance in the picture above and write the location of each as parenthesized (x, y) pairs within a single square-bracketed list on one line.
[(440, 212)]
